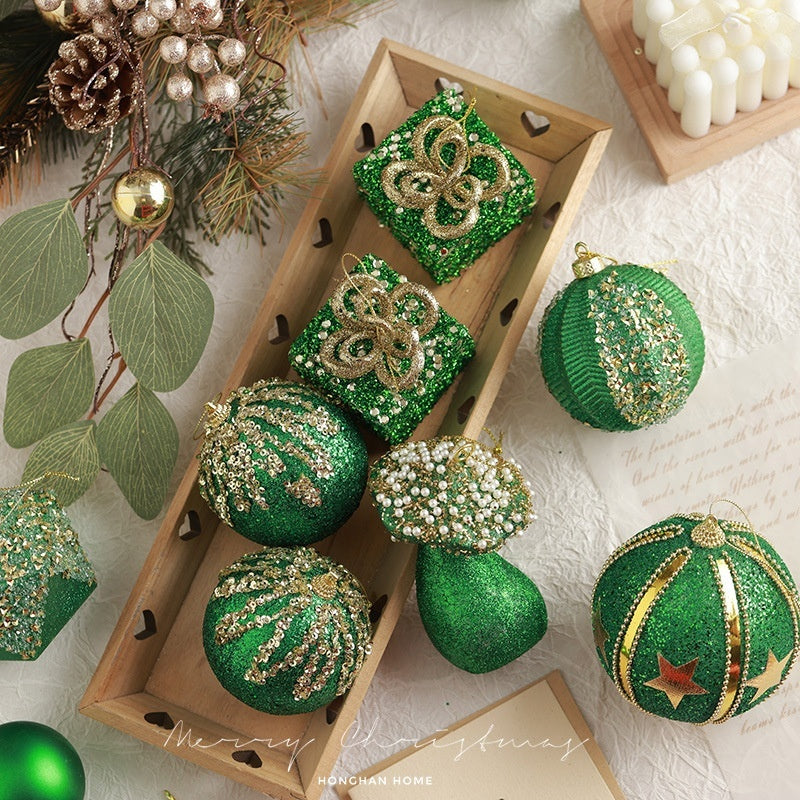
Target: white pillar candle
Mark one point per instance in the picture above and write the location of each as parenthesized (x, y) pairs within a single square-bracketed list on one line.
[(737, 34), (658, 13), (640, 18), (794, 73), (711, 47), (791, 8), (777, 52), (696, 113), (751, 70), (684, 60), (664, 70), (724, 74), (684, 5)]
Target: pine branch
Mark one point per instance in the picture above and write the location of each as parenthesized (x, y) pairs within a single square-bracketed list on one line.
[(28, 45), (232, 176), (8, 7)]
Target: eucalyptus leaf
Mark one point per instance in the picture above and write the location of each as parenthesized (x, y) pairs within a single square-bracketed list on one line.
[(43, 266), (47, 388), (72, 451), (161, 313), (138, 442)]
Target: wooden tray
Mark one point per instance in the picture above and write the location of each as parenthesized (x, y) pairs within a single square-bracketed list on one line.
[(153, 680), (676, 154)]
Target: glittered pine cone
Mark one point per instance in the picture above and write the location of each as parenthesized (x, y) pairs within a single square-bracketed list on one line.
[(91, 83), (621, 348), (696, 619)]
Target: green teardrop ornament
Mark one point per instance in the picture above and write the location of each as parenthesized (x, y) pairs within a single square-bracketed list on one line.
[(479, 611)]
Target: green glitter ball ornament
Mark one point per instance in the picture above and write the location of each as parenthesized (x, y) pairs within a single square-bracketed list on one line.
[(280, 464), (38, 763), (480, 611), (696, 619), (621, 348), (451, 492), (286, 630), (44, 574)]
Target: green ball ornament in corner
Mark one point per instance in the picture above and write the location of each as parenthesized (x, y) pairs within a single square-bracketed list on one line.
[(287, 630), (38, 763), (696, 619), (459, 500), (621, 348), (281, 464)]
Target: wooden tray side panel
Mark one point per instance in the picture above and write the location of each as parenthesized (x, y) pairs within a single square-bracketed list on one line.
[(500, 106), (676, 154)]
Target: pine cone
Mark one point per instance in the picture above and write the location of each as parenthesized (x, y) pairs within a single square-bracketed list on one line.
[(88, 86)]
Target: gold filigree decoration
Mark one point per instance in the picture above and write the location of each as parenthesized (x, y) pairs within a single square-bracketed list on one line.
[(430, 176), (377, 334)]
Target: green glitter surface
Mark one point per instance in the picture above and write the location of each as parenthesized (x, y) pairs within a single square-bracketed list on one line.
[(44, 573), (450, 492), (479, 611), (281, 464), (392, 414), (446, 258), (622, 348), (687, 619), (287, 630)]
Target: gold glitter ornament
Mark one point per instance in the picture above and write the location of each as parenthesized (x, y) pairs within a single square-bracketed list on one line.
[(287, 630), (280, 464), (143, 198), (44, 573)]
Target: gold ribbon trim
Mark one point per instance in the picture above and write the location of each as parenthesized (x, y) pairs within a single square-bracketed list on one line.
[(733, 625), (640, 616), (429, 176), (374, 337)]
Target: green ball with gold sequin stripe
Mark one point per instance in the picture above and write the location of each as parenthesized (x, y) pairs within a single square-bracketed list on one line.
[(621, 348), (286, 630), (696, 619)]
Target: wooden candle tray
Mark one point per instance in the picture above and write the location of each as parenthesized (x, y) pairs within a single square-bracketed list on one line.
[(153, 681), (676, 154)]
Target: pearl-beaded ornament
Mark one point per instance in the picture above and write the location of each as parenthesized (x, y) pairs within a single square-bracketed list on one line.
[(451, 492)]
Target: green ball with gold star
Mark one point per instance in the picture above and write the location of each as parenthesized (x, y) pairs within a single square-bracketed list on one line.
[(621, 348), (696, 619)]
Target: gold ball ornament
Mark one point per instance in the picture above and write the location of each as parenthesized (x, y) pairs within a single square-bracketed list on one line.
[(143, 198)]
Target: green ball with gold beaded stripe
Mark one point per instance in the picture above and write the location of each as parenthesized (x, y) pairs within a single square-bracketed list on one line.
[(696, 619), (621, 348)]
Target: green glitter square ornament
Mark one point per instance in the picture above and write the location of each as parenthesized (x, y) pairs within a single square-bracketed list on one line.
[(384, 347), (445, 186)]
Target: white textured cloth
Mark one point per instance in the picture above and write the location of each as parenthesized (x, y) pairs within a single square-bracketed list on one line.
[(734, 230)]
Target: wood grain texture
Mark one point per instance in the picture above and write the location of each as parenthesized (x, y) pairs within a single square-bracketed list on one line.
[(169, 668), (676, 154)]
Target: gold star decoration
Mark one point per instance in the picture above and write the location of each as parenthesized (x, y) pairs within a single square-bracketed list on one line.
[(770, 677), (600, 634), (676, 682)]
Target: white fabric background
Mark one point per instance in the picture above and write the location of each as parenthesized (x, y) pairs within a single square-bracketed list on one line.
[(734, 229)]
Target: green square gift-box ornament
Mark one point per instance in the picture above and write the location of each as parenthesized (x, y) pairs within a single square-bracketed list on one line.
[(44, 573), (445, 185), (696, 619), (384, 347)]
